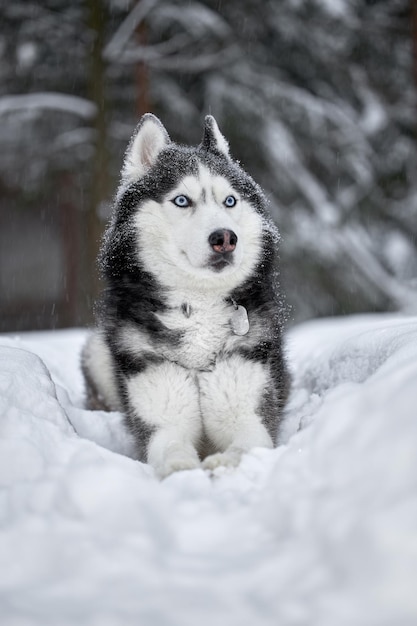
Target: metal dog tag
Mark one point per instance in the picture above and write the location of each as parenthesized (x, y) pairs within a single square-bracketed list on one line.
[(239, 320)]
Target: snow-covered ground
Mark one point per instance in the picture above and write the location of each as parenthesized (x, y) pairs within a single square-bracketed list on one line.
[(321, 531)]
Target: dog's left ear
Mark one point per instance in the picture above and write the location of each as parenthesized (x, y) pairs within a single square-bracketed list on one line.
[(213, 140), (149, 138)]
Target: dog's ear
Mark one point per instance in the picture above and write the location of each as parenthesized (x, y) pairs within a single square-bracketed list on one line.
[(213, 140), (149, 138)]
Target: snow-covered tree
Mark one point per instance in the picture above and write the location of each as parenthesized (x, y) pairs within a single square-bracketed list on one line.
[(318, 101)]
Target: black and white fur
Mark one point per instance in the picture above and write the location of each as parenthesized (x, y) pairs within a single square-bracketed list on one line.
[(172, 348)]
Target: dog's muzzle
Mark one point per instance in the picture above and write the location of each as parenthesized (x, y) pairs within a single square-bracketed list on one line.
[(223, 242)]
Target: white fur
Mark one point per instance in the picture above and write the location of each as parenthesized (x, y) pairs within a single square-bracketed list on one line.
[(217, 396), (173, 241), (168, 453), (180, 404), (165, 396), (207, 331), (229, 397), (98, 361), (133, 340)]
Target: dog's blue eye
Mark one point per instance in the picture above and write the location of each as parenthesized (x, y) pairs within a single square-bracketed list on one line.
[(230, 201), (182, 201)]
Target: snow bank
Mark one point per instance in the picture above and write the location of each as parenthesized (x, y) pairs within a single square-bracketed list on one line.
[(321, 531)]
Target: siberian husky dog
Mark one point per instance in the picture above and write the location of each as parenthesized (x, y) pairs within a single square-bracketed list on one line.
[(188, 343)]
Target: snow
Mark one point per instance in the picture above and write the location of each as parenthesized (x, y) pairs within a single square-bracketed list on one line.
[(320, 531), (52, 101)]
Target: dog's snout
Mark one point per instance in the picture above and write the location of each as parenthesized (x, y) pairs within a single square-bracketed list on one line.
[(223, 240)]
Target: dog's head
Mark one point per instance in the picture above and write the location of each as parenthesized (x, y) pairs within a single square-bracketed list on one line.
[(196, 217)]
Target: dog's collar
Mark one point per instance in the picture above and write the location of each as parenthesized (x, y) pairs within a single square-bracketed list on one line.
[(239, 320)]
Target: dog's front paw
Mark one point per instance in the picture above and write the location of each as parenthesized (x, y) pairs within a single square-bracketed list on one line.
[(177, 463), (230, 458)]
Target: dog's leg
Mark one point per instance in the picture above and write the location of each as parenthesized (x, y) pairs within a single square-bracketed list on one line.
[(165, 398), (230, 400), (99, 374)]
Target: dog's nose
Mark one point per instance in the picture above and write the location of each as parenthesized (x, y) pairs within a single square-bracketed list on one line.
[(223, 240)]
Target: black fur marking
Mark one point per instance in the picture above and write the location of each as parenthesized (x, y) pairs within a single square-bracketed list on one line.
[(128, 366), (141, 431), (131, 365)]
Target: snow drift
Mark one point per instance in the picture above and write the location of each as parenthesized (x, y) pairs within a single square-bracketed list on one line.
[(320, 531)]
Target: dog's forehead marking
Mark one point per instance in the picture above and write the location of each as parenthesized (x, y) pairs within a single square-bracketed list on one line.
[(204, 186)]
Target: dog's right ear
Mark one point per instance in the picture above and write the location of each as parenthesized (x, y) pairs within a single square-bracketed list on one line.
[(149, 138)]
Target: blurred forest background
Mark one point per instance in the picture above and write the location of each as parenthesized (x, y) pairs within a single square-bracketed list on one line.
[(316, 97)]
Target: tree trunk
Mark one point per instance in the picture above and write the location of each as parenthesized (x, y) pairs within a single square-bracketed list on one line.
[(99, 188), (142, 75), (414, 18)]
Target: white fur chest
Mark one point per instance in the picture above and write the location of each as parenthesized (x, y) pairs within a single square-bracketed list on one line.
[(205, 327)]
